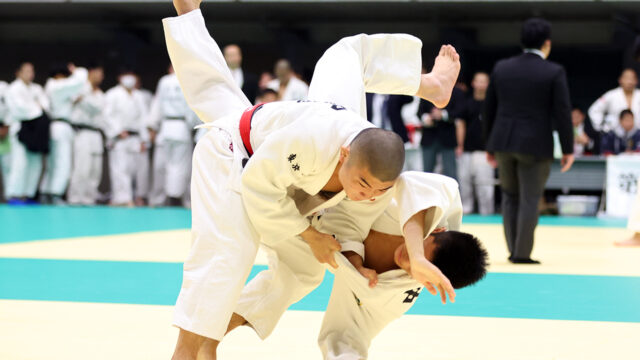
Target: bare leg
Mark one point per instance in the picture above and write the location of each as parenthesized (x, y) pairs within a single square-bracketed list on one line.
[(191, 346), (632, 241), (436, 86), (236, 321), (185, 6)]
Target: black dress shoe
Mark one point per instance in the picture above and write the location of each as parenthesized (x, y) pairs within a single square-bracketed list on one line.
[(524, 261)]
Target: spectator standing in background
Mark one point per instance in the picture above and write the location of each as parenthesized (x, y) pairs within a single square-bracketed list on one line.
[(172, 119), (286, 84), (62, 88), (623, 138), (527, 99), (5, 146), (88, 119), (439, 134), (28, 134), (128, 138), (476, 174), (246, 81), (605, 111), (586, 139)]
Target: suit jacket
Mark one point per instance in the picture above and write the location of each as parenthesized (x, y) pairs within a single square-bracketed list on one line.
[(443, 131), (527, 99), (250, 85)]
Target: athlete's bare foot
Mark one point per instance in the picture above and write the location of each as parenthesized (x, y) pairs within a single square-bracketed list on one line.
[(437, 85), (632, 241), (185, 6)]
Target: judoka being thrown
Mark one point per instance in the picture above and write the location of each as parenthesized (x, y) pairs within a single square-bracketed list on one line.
[(260, 172)]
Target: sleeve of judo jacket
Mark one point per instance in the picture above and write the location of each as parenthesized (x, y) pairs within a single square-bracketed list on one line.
[(351, 221), (416, 192), (203, 74)]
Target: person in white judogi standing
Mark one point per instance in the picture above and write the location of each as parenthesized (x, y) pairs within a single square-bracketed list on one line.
[(605, 111), (64, 85), (5, 145), (128, 141), (291, 172), (88, 118), (286, 84), (173, 121), (427, 207), (26, 102)]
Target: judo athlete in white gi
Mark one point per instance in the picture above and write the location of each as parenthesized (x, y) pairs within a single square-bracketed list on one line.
[(128, 139), (605, 111), (421, 203), (5, 145), (286, 84), (424, 206), (62, 88), (292, 173), (25, 101), (88, 118), (172, 119)]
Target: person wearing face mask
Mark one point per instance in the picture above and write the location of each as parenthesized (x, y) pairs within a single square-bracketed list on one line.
[(64, 85), (128, 141), (605, 111), (87, 117), (29, 134)]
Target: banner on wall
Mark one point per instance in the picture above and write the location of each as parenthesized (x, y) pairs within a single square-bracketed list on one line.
[(623, 172)]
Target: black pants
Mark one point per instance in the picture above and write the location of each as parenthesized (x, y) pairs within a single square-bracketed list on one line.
[(522, 179)]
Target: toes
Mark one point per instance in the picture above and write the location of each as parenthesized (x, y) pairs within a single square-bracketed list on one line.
[(443, 50)]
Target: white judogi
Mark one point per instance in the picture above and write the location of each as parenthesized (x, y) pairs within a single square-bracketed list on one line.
[(5, 157), (171, 117), (278, 188), (605, 112), (357, 313), (126, 111), (61, 93), (88, 146), (296, 89), (634, 216), (24, 102)]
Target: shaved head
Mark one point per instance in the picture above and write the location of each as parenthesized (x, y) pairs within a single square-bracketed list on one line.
[(380, 151)]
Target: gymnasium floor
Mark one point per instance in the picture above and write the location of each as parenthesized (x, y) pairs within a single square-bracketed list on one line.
[(99, 283)]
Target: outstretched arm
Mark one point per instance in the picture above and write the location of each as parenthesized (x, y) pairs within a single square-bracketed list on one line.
[(203, 74)]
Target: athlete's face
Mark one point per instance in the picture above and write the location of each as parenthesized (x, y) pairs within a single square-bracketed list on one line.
[(628, 80), (357, 181)]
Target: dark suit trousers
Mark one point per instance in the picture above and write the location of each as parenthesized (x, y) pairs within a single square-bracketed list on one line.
[(522, 179)]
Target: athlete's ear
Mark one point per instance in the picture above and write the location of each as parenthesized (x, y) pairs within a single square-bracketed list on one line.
[(344, 153)]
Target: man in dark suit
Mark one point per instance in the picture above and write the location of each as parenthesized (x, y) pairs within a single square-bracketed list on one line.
[(246, 81), (527, 99)]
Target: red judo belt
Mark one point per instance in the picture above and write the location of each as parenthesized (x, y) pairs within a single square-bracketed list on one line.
[(245, 127)]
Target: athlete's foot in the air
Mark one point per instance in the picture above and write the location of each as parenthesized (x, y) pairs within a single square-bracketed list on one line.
[(437, 85), (185, 6)]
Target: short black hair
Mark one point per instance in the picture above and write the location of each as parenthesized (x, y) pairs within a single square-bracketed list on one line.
[(625, 112), (381, 151), (461, 257), (59, 68), (535, 32), (266, 91), (94, 64)]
